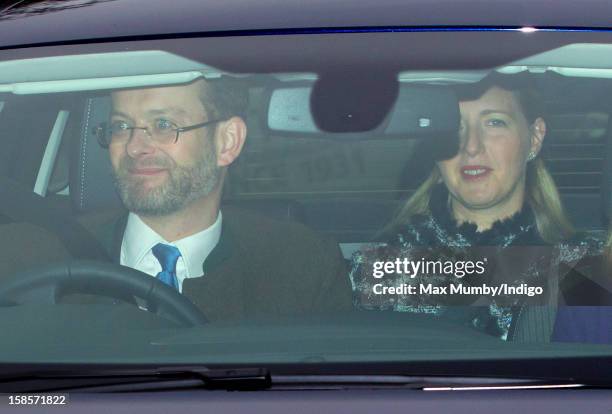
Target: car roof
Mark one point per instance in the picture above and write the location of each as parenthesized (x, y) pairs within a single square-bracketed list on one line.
[(37, 22)]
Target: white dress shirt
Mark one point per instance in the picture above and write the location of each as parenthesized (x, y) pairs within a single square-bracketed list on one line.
[(139, 239)]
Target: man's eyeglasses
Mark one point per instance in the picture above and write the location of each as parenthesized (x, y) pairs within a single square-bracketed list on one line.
[(162, 131)]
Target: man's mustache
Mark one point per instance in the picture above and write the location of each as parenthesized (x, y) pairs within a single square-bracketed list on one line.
[(128, 163)]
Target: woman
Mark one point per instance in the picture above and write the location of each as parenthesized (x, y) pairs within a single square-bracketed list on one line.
[(493, 203)]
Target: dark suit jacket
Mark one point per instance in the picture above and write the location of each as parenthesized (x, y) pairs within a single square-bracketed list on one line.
[(260, 268)]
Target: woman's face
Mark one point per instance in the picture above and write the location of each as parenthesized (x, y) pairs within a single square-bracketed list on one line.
[(487, 176)]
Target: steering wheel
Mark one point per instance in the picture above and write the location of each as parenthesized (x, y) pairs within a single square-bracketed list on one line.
[(45, 286)]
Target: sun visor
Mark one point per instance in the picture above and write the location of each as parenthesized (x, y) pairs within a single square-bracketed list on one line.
[(100, 71), (582, 60)]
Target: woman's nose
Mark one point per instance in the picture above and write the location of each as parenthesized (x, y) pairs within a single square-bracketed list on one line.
[(472, 140)]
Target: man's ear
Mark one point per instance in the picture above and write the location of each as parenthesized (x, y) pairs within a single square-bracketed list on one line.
[(230, 138), (538, 132)]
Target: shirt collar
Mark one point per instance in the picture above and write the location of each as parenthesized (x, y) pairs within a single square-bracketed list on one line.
[(196, 248), (139, 239)]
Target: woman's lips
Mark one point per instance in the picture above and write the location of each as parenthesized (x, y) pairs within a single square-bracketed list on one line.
[(474, 172)]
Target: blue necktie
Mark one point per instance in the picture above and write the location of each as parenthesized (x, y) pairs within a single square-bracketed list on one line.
[(167, 256)]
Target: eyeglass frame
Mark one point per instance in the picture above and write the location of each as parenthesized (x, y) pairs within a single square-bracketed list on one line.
[(101, 130)]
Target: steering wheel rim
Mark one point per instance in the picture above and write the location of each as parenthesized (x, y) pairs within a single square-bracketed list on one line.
[(44, 285)]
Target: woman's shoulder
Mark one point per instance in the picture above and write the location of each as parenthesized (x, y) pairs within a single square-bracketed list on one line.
[(401, 243), (587, 283), (421, 231), (579, 246), (380, 251), (583, 269)]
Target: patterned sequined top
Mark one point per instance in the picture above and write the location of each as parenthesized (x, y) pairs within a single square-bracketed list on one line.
[(511, 252)]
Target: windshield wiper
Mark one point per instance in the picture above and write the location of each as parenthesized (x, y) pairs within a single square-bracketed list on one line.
[(108, 379), (123, 380)]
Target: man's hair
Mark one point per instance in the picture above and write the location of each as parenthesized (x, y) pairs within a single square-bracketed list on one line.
[(225, 97)]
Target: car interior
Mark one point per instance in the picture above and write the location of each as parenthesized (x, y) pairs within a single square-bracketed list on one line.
[(313, 180), (349, 110)]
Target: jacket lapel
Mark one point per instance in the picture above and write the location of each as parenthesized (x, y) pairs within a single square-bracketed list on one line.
[(222, 251), (117, 237), (220, 292)]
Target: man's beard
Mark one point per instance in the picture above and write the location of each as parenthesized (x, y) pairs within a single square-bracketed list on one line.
[(183, 186)]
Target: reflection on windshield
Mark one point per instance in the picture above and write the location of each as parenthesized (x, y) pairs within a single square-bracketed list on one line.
[(478, 224), (26, 8)]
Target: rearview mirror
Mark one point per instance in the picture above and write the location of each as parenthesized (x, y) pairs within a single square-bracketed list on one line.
[(418, 112)]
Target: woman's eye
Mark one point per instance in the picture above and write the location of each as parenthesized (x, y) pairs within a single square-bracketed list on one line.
[(164, 125)]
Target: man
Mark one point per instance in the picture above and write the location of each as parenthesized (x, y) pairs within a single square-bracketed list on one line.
[(170, 148)]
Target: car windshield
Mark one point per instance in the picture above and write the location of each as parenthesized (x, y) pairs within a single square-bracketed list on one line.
[(307, 198)]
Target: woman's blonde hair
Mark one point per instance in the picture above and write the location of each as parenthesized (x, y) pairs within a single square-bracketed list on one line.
[(541, 193)]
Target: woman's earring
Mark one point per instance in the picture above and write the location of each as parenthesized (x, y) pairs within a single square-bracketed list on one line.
[(531, 156)]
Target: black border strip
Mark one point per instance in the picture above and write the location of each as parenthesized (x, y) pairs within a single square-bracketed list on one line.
[(307, 31)]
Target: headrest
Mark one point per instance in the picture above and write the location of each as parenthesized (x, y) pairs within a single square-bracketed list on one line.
[(91, 182)]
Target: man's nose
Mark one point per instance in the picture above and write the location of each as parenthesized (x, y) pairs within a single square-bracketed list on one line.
[(140, 143), (472, 140)]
